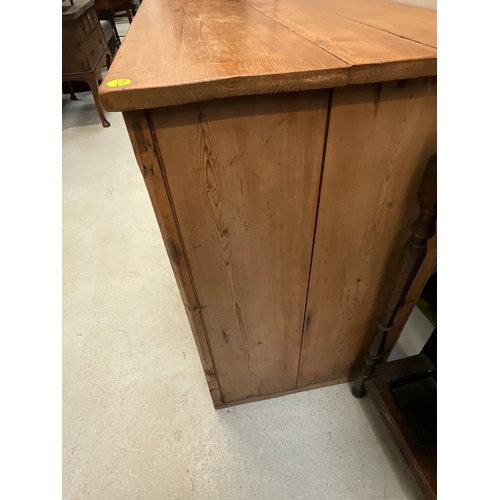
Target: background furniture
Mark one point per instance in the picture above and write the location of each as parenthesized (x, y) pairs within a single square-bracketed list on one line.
[(282, 143), (405, 390), (85, 50), (110, 8), (414, 252), (111, 41)]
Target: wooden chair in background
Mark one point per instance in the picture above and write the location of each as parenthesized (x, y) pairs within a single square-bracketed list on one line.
[(113, 7)]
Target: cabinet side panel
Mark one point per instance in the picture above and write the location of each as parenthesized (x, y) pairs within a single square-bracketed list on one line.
[(142, 142), (244, 178), (380, 138)]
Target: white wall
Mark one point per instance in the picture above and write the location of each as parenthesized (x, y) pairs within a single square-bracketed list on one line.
[(429, 4)]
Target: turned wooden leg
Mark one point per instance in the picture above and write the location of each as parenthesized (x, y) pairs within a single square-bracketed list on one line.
[(91, 79), (129, 15), (72, 93), (108, 60), (410, 261), (111, 18)]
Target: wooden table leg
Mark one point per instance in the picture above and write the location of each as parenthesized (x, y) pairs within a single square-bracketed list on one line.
[(111, 17), (91, 79), (109, 58), (72, 93), (411, 258)]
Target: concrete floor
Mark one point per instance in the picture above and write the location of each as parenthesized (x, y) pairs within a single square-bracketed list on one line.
[(138, 422)]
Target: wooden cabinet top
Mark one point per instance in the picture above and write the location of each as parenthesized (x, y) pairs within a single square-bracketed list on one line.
[(72, 12), (180, 51)]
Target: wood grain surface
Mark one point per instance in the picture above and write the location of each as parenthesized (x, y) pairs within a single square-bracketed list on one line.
[(372, 54), (154, 177), (244, 176), (178, 52), (380, 138), (406, 21), (352, 41)]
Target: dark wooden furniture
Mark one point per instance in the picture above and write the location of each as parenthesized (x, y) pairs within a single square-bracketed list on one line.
[(111, 7), (84, 49), (405, 391)]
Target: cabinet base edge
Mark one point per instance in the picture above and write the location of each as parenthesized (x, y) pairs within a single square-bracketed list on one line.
[(284, 393)]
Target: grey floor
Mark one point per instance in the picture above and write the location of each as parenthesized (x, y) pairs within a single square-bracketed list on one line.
[(138, 422)]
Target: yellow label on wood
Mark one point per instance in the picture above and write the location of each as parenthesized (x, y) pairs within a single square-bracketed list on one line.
[(119, 83)]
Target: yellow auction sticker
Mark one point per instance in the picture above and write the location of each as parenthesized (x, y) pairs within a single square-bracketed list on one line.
[(118, 83)]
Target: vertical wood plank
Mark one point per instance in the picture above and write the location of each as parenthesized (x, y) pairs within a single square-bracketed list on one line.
[(147, 159), (243, 175), (380, 138)]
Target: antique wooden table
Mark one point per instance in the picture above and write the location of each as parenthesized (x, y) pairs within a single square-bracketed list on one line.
[(282, 143)]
